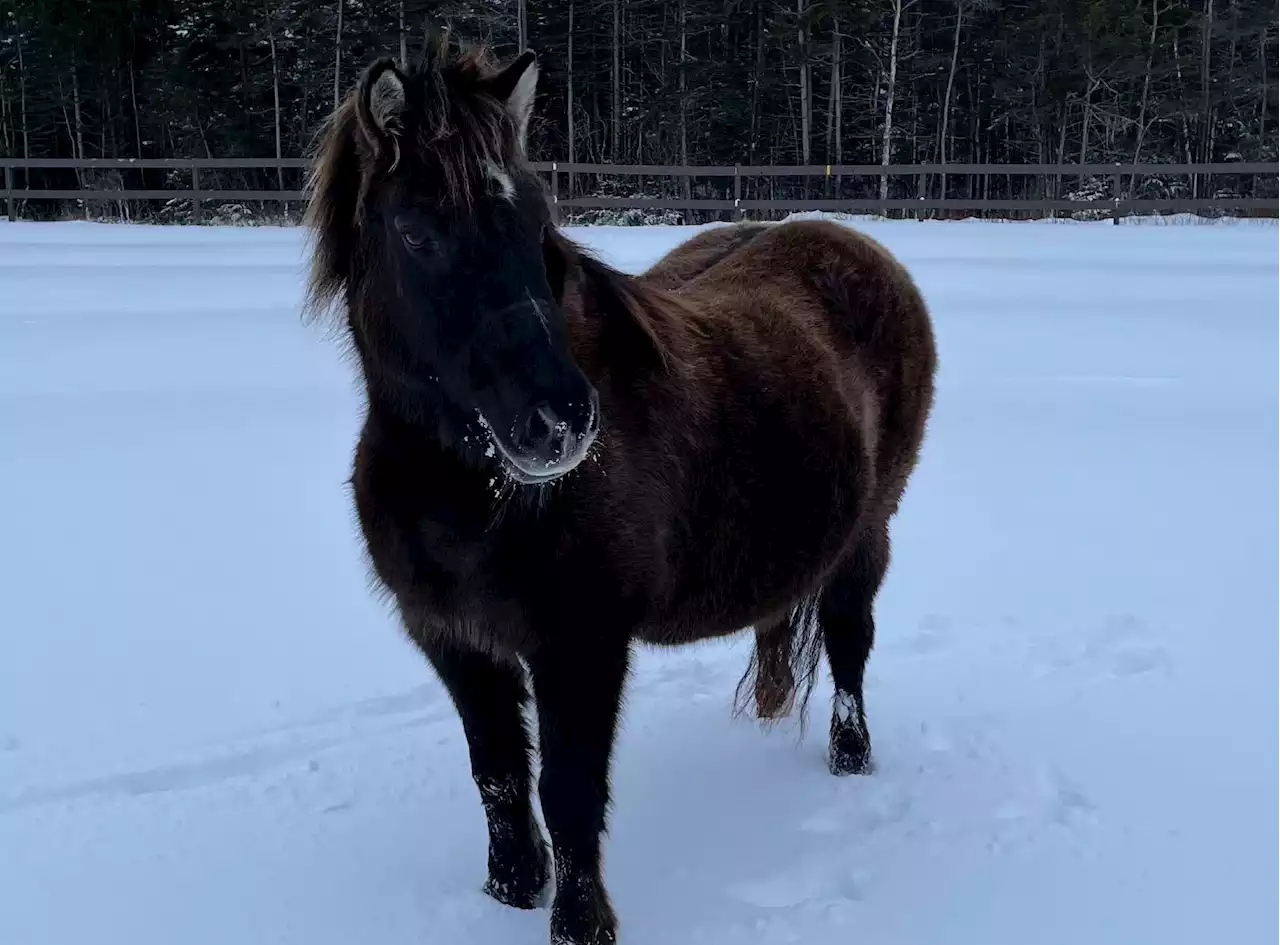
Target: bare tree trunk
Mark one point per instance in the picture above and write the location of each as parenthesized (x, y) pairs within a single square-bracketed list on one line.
[(66, 116), (975, 106), (108, 125), (275, 92), (616, 115), (1036, 91), (133, 100), (22, 100), (946, 99), (1090, 85), (1206, 55), (300, 132), (1231, 79), (6, 117), (805, 117), (522, 23), (685, 182), (1182, 113), (755, 82), (204, 140), (1146, 82), (834, 130), (793, 122), (922, 180), (837, 71), (1233, 5), (79, 142), (569, 122), (1262, 100), (888, 100), (1062, 153), (404, 47), (337, 58), (75, 104)]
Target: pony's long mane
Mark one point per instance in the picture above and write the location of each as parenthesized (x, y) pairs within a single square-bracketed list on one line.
[(650, 318)]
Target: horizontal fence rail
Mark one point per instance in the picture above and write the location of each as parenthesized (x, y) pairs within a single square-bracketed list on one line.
[(1117, 204), (720, 170), (894, 170)]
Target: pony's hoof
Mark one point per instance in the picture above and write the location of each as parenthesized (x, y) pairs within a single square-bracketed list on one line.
[(841, 764), (525, 887), (601, 936), (589, 922), (516, 894), (850, 751)]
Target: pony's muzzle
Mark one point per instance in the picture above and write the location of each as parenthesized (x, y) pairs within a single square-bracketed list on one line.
[(549, 442)]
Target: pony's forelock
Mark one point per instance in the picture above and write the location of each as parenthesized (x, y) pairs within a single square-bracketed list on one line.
[(460, 127)]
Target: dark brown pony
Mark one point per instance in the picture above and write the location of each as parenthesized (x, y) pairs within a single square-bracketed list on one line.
[(559, 460)]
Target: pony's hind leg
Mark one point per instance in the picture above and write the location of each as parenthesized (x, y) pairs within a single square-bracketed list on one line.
[(845, 612), (490, 698)]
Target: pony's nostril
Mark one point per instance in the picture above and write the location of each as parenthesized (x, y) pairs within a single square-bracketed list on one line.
[(543, 433), (538, 424)]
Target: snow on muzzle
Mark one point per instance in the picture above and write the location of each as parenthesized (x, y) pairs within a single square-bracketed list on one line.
[(545, 442)]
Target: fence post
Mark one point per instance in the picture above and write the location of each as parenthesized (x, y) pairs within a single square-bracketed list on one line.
[(737, 193), (11, 204), (195, 189), (555, 193), (1115, 198)]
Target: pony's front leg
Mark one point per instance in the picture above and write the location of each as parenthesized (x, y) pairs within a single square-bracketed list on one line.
[(578, 688), (490, 698)]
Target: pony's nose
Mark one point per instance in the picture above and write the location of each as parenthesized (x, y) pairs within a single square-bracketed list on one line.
[(543, 433)]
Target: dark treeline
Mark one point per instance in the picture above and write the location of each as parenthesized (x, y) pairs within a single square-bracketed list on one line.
[(675, 81)]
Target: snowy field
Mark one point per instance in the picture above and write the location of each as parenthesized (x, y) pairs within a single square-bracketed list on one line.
[(211, 732)]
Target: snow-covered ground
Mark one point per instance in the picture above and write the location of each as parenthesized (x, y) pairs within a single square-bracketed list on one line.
[(212, 732)]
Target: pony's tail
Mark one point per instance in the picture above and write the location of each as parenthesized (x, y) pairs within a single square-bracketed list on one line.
[(784, 666)]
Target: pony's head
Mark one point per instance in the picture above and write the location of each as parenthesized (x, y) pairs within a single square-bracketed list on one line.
[(434, 231)]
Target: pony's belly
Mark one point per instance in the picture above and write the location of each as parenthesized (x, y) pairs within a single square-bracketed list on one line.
[(708, 608), (675, 632), (750, 561)]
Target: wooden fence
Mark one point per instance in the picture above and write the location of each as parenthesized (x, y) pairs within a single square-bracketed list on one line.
[(1118, 202)]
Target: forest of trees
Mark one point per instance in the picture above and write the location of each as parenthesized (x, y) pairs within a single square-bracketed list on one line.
[(672, 81)]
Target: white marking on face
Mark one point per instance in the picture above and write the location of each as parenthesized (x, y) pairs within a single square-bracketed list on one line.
[(507, 188)]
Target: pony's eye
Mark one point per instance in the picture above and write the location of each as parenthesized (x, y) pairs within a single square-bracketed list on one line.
[(416, 239), (415, 236)]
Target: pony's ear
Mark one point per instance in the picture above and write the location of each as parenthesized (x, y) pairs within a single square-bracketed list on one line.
[(515, 86), (381, 102)]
